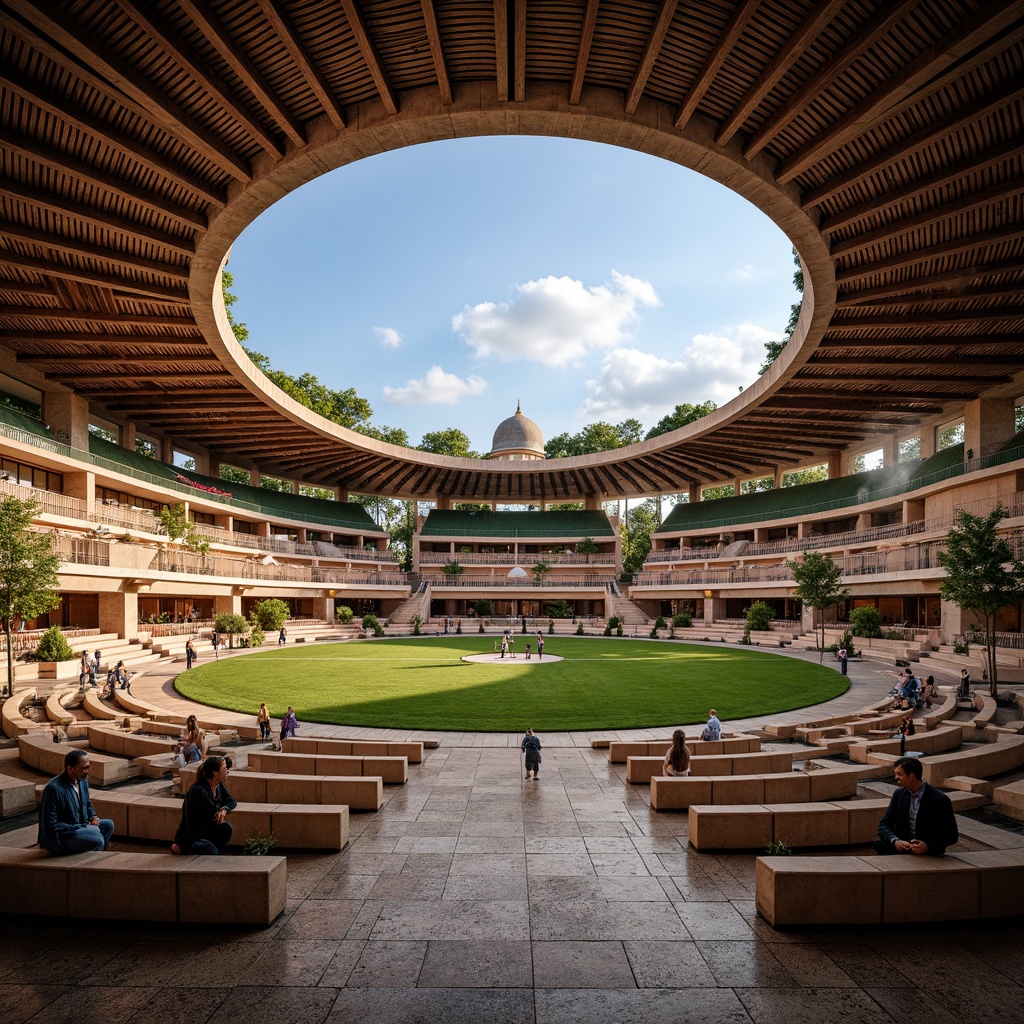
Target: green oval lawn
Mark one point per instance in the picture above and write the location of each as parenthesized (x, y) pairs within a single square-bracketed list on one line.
[(421, 683)]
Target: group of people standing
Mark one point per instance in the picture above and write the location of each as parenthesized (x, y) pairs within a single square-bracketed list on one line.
[(508, 641)]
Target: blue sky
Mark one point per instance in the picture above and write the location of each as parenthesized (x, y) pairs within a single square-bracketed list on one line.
[(446, 281)]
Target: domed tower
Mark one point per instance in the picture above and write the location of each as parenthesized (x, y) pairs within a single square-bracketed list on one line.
[(518, 438)]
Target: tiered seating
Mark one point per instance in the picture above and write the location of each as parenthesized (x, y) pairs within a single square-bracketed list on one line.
[(392, 770), (360, 793)]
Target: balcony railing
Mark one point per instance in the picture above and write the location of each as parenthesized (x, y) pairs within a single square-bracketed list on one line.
[(510, 558), (551, 581)]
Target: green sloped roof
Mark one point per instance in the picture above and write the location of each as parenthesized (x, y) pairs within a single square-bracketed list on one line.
[(554, 523), (790, 501), (13, 418), (940, 463), (342, 514)]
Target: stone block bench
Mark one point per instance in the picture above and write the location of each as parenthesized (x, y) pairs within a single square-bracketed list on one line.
[(890, 890), (37, 750), (409, 749), (17, 796), (359, 793), (393, 770), (12, 719), (945, 710), (296, 826), (143, 886), (643, 769), (671, 794), (788, 731), (620, 750), (56, 712), (1005, 754), (840, 823), (937, 741), (986, 707)]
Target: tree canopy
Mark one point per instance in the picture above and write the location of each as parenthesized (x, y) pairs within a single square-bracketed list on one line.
[(448, 442), (817, 579), (680, 416), (28, 571), (982, 574), (594, 437)]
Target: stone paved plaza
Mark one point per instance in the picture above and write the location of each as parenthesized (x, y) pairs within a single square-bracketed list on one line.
[(477, 896)]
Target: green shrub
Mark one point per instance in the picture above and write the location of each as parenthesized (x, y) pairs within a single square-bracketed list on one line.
[(684, 619), (260, 846), (660, 623), (759, 616), (371, 621), (778, 848), (961, 646), (551, 627), (270, 614), (482, 607), (228, 622), (417, 623), (866, 621), (618, 630), (458, 626), (608, 630), (559, 610), (614, 621), (344, 614), (481, 625), (579, 629), (654, 632), (53, 646), (256, 637)]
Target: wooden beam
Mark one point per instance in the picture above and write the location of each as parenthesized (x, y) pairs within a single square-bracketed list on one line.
[(96, 316), (371, 58), (73, 247), (214, 32), (189, 377), (92, 358), (436, 50), (519, 50), (583, 53), (992, 196), (275, 13), (875, 108), (734, 27), (929, 341), (953, 284), (164, 293), (977, 241), (819, 16), (655, 39), (867, 374), (1007, 290), (199, 72), (925, 318), (868, 35), (155, 106), (78, 210), (43, 290), (965, 118), (501, 48), (85, 338), (66, 165)]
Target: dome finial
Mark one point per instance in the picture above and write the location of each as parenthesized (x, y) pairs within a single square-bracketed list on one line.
[(519, 411)]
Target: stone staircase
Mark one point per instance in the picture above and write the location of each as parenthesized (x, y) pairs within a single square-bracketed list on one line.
[(418, 603), (628, 613)]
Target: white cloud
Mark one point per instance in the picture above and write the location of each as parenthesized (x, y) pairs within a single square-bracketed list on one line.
[(436, 388), (388, 336), (556, 321), (712, 366)]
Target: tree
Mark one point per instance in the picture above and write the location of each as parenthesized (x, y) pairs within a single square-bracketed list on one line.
[(180, 529), (595, 437), (452, 570), (448, 442), (270, 614), (813, 475), (759, 616), (28, 572), (231, 624), (240, 331), (982, 575), (540, 570), (773, 349), (638, 524), (866, 621), (588, 546), (680, 416), (817, 585)]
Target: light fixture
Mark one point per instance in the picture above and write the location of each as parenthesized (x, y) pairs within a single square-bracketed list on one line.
[(707, 593)]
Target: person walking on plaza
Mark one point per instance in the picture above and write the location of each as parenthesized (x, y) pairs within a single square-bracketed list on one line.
[(288, 725), (68, 822), (919, 819), (263, 721), (540, 646), (842, 660), (190, 653), (282, 637), (215, 640), (531, 747), (504, 644), (713, 730)]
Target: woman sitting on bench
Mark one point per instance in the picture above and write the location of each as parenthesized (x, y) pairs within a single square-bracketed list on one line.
[(204, 827)]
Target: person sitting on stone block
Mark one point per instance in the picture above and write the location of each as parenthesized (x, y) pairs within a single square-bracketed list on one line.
[(68, 822), (919, 818)]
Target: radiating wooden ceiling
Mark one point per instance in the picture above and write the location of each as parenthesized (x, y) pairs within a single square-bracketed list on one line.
[(135, 133)]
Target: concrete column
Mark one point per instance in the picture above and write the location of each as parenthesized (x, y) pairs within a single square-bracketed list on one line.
[(779, 471), (443, 502), (713, 608), (737, 486), (295, 487), (119, 613), (167, 450), (127, 436), (890, 451), (301, 535), (807, 619), (927, 440), (952, 621), (213, 468), (988, 425), (263, 529), (592, 503), (227, 604), (254, 476), (341, 493), (202, 459), (81, 485), (67, 416), (835, 465), (694, 493)]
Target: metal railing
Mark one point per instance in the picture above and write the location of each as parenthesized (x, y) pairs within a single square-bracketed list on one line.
[(511, 558), (551, 582)]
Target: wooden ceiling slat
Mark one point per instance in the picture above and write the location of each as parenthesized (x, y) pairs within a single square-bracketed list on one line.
[(278, 18), (371, 57), (55, 23), (662, 23), (955, 282), (501, 47), (583, 51), (164, 293), (436, 50), (194, 66)]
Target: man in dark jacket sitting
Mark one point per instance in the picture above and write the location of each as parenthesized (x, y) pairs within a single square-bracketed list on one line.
[(68, 822), (919, 818)]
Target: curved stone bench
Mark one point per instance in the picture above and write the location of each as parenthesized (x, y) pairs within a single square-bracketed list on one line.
[(360, 793), (409, 749), (40, 752), (55, 710), (393, 770), (17, 796), (643, 769), (887, 890), (946, 709), (620, 750), (937, 741), (143, 886), (673, 793), (788, 731), (296, 826), (986, 707), (841, 823), (14, 723), (1005, 754)]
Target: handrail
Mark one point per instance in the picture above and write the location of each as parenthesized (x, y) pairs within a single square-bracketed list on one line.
[(510, 558)]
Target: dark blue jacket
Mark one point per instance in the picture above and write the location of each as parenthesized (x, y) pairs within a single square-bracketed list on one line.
[(63, 811), (936, 822)]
